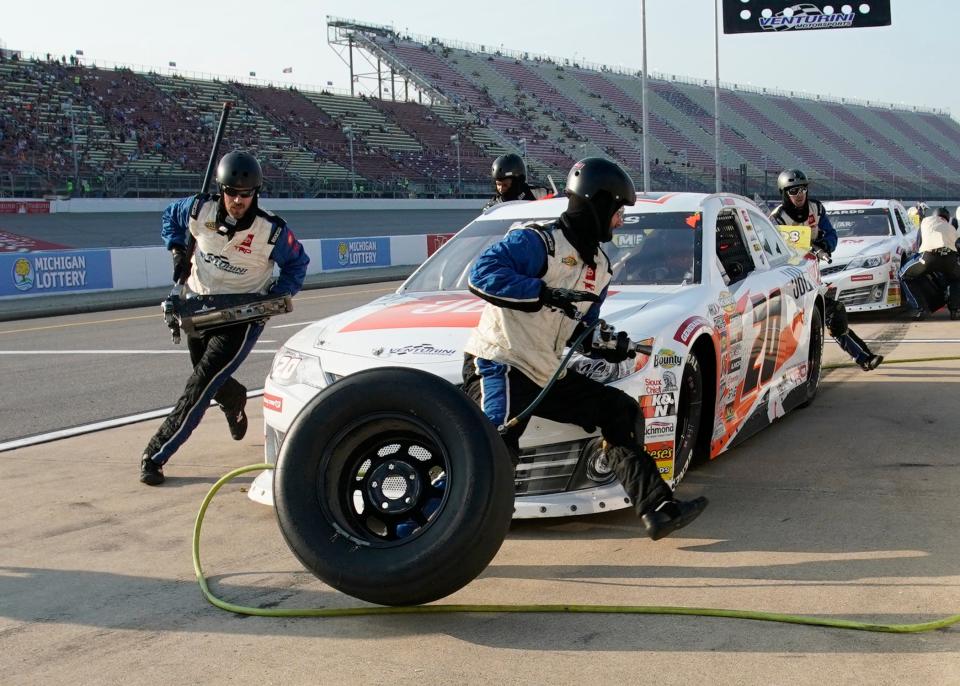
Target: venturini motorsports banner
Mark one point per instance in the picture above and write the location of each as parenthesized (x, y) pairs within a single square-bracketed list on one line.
[(763, 16), (55, 272)]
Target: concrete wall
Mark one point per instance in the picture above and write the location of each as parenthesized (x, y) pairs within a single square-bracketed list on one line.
[(277, 204)]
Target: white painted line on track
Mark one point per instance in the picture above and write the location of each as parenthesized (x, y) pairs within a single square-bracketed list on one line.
[(908, 340), (287, 326), (111, 352), (97, 426)]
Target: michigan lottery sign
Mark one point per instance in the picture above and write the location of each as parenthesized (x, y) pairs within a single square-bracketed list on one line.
[(761, 16), (55, 272)]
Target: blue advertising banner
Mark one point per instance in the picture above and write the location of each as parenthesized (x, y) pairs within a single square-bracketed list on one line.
[(351, 253), (38, 273)]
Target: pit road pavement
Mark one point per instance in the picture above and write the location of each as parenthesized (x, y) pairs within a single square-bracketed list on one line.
[(848, 508)]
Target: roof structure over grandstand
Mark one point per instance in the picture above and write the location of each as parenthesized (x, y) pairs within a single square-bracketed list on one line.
[(434, 113)]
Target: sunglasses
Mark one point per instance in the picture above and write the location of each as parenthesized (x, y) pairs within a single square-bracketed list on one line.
[(238, 193), (796, 190)]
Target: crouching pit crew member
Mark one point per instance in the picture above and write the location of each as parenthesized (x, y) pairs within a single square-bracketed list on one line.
[(937, 254), (237, 245), (798, 209), (538, 281)]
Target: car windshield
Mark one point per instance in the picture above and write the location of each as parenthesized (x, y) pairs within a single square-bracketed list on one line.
[(649, 249), (872, 222)]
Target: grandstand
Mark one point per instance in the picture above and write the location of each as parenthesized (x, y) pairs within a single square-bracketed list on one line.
[(69, 127)]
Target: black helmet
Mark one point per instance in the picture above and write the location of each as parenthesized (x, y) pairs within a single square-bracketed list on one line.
[(239, 170), (790, 178), (943, 213), (509, 166), (594, 174)]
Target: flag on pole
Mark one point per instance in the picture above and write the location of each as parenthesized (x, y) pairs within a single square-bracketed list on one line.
[(288, 70)]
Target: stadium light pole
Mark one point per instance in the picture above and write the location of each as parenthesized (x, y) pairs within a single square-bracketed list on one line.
[(456, 142), (716, 93), (643, 96), (73, 135), (348, 132)]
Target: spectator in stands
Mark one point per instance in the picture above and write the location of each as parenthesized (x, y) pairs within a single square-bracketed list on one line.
[(510, 180), (237, 245), (797, 209)]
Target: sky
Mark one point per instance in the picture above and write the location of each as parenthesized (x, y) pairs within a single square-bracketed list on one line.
[(908, 62)]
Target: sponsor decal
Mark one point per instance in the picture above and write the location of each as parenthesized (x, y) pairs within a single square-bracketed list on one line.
[(210, 224), (713, 309), (799, 283), (590, 279), (666, 358), (658, 405), (862, 277), (689, 327), (56, 272), (669, 382), (422, 349), (726, 302), (627, 240), (652, 386), (744, 216), (272, 402), (436, 240), (246, 247), (352, 253), (693, 220), (662, 452), (660, 428), (220, 262), (728, 201), (736, 364), (430, 312), (728, 413), (570, 261)]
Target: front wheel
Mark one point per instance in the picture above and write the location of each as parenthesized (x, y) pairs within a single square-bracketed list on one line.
[(814, 358), (393, 487), (689, 407)]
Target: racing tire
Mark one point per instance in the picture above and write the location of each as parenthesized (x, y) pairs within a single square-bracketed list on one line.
[(814, 358), (689, 408), (393, 487)]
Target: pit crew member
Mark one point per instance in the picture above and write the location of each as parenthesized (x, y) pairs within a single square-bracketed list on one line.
[(509, 175)]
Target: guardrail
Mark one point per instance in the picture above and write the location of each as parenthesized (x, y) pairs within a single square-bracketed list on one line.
[(60, 272)]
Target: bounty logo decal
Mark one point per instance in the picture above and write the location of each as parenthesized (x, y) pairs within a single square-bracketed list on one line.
[(666, 358)]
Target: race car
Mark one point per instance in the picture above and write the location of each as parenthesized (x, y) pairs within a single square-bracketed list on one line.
[(875, 236), (733, 314)]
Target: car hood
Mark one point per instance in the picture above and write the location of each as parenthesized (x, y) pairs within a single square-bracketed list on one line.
[(426, 329), (861, 246)]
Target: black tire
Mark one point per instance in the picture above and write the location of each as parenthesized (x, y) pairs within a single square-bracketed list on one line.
[(814, 358), (689, 409), (393, 487)]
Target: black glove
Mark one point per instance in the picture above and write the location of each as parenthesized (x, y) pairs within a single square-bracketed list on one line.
[(563, 299), (611, 345), (181, 263)]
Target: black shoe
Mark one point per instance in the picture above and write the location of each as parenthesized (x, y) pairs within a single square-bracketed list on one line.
[(954, 315), (671, 515), (920, 315), (871, 363), (150, 472), (238, 423)]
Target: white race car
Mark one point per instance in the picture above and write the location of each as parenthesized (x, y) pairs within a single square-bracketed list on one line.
[(734, 317), (874, 236)]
